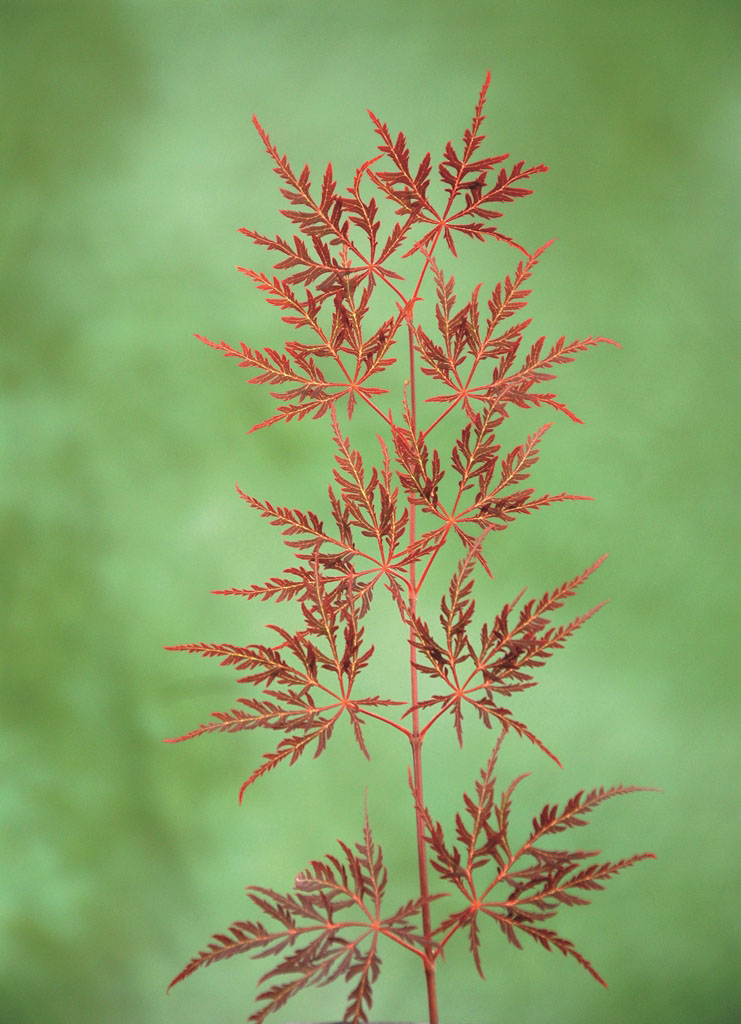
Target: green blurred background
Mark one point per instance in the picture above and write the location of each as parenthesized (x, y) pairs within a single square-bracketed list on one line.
[(128, 162)]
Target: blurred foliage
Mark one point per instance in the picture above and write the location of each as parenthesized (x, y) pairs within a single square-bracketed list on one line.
[(128, 160)]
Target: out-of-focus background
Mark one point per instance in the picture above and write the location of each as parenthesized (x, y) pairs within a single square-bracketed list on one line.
[(128, 163)]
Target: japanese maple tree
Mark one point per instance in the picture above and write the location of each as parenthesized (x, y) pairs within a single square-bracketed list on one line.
[(386, 526)]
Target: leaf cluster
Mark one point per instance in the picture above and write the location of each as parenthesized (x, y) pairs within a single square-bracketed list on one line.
[(387, 519)]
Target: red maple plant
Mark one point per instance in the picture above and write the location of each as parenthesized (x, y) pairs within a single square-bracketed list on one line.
[(389, 523)]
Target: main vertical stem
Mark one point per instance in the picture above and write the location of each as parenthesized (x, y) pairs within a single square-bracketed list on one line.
[(416, 738)]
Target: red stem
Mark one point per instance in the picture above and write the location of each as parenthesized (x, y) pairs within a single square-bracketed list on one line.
[(416, 740), (417, 737)]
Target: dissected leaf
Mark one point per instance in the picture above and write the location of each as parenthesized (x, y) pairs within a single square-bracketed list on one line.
[(327, 928)]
